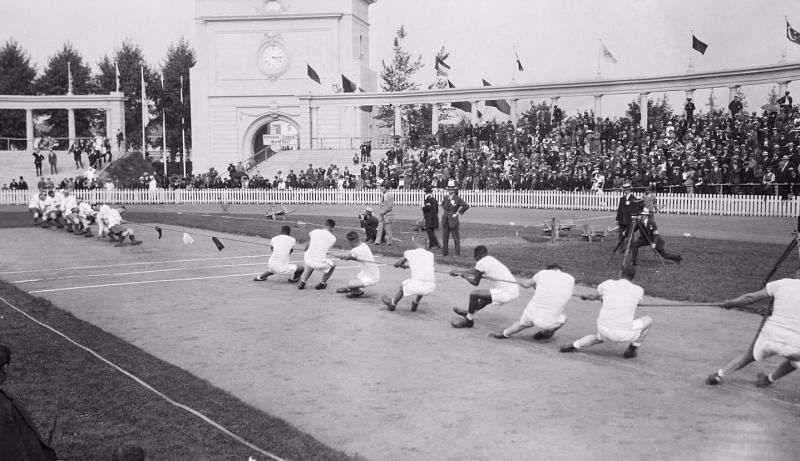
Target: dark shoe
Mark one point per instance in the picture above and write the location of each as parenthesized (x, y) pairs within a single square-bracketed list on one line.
[(88, 234), (321, 286), (631, 352), (414, 306), (260, 278), (388, 302), (568, 348), (678, 260), (762, 380), (463, 323), (301, 285), (355, 294), (714, 379), (121, 243), (136, 242), (460, 311), (294, 280), (343, 290), (543, 334), (498, 334)]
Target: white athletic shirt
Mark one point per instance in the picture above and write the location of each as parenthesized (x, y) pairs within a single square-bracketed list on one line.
[(320, 241), (281, 248), (58, 201), (495, 270), (35, 202), (70, 202), (113, 217), (367, 262), (620, 299), (47, 204), (420, 261), (85, 210), (784, 324), (553, 291)]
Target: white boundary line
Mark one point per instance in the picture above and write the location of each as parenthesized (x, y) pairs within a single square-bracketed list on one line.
[(149, 387), (118, 274), (130, 264)]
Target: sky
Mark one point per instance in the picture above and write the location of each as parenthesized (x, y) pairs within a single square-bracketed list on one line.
[(556, 40)]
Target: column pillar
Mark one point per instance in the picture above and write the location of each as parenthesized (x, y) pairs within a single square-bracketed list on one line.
[(475, 112), (690, 94), (514, 113), (732, 91), (554, 100), (598, 105), (71, 125), (29, 129), (356, 127), (313, 131), (434, 118), (398, 121), (782, 87), (110, 132), (643, 110)]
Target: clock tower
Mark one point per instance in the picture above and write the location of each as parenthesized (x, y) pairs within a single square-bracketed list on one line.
[(253, 59)]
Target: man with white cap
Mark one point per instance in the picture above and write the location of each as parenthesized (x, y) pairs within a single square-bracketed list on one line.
[(453, 206)]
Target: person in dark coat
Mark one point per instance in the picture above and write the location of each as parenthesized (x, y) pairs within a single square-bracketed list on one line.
[(430, 214), (627, 205), (453, 206)]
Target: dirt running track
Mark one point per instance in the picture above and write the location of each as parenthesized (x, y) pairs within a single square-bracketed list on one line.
[(407, 386)]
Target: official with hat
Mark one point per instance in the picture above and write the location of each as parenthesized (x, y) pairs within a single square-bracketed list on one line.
[(628, 203), (430, 214), (453, 206)]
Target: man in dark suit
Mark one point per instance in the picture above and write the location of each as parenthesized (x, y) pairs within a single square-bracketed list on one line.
[(453, 207), (648, 236), (689, 108), (19, 438), (735, 106), (430, 214), (625, 208)]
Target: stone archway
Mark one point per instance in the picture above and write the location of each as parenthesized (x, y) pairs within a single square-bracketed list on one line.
[(254, 138)]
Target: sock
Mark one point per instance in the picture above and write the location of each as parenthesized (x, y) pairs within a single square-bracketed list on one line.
[(636, 344), (719, 372), (469, 316), (505, 333), (576, 344), (769, 378)]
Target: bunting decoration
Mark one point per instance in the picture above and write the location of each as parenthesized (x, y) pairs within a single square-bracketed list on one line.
[(607, 53), (700, 46), (348, 86), (442, 69), (500, 104)]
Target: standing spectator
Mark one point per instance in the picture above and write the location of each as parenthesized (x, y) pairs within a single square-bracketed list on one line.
[(768, 182), (37, 162), (625, 209), (386, 217), (120, 138), (735, 106), (453, 206), (53, 160), (430, 214), (689, 108), (785, 102), (76, 155)]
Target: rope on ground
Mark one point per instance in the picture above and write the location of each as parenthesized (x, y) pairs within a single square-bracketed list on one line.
[(150, 388)]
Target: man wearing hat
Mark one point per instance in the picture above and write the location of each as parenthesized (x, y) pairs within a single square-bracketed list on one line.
[(453, 206), (386, 215), (627, 204), (648, 235), (370, 224), (430, 214)]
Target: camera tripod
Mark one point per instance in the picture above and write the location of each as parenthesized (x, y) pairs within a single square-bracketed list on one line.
[(636, 225)]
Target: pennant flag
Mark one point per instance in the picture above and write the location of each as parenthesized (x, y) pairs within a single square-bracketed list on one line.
[(699, 46), (312, 74), (450, 84), (499, 104), (348, 86), (366, 108), (187, 239), (69, 78), (218, 244), (465, 106), (792, 34), (480, 115), (442, 69), (116, 74), (519, 63), (158, 230), (607, 53)]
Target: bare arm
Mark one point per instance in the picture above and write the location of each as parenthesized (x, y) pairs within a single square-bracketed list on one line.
[(745, 299), (592, 297), (529, 283), (400, 262)]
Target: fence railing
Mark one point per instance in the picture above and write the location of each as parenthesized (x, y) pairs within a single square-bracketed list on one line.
[(699, 204)]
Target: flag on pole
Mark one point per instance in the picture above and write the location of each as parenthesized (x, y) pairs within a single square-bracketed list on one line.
[(312, 74), (116, 74), (500, 104), (519, 63), (348, 86), (700, 46), (69, 78), (792, 34), (396, 42), (145, 116), (450, 84), (465, 106), (607, 53), (442, 69)]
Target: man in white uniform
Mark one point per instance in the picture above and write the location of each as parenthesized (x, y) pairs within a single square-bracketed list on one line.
[(423, 279), (369, 275), (505, 287), (36, 207), (316, 256), (116, 232), (86, 216), (101, 215), (545, 310), (51, 208), (779, 336), (282, 246), (68, 208), (616, 319)]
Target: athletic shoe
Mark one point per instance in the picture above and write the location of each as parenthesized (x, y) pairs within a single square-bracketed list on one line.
[(294, 280), (88, 234), (568, 348), (136, 242), (343, 290), (260, 279), (714, 379), (762, 380), (631, 352), (414, 306), (678, 261), (460, 311), (388, 302), (463, 323), (321, 286), (543, 334), (355, 294), (498, 334), (301, 285)]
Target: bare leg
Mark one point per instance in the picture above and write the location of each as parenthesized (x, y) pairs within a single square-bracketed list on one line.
[(587, 341), (514, 329), (327, 276)]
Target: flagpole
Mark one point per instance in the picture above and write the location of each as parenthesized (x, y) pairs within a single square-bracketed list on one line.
[(116, 74), (782, 60), (516, 67), (599, 56), (691, 66), (163, 130), (144, 104), (69, 78), (183, 133)]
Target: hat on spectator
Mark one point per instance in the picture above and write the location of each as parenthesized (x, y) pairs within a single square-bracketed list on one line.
[(451, 185), (645, 211), (428, 189), (785, 157), (368, 209), (626, 185)]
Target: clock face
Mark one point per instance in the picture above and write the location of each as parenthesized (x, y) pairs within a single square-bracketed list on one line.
[(274, 59)]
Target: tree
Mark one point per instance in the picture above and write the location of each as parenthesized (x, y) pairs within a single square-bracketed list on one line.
[(16, 77), (398, 76), (659, 111), (55, 81), (179, 59), (131, 61), (713, 107)]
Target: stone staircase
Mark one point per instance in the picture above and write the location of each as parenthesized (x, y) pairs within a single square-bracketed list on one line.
[(16, 163), (297, 160)]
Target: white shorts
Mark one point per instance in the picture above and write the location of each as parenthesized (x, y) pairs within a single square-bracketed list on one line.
[(764, 348), (364, 280), (287, 269), (621, 336), (528, 320), (500, 296), (413, 287), (35, 211), (323, 266)]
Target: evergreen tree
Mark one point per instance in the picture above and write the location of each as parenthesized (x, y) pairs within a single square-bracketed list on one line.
[(16, 77), (179, 59), (398, 76), (659, 111)]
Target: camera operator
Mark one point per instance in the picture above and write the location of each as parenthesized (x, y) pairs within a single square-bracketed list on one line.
[(369, 223), (648, 235), (628, 206)]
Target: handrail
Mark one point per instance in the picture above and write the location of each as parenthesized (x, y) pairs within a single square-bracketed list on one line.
[(248, 164)]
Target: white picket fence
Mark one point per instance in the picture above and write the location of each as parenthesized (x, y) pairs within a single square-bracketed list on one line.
[(699, 204)]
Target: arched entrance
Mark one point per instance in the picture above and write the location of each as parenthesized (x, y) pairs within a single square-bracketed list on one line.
[(279, 132)]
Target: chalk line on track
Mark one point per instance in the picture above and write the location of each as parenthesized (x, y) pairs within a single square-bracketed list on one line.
[(53, 269), (119, 274), (150, 388)]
